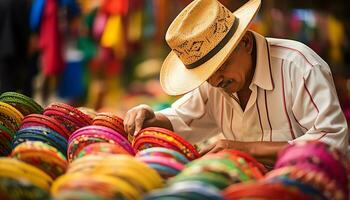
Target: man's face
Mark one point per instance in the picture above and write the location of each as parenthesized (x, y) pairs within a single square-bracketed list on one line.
[(234, 74)]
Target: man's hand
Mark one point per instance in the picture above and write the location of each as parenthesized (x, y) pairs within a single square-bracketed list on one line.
[(222, 145), (136, 117)]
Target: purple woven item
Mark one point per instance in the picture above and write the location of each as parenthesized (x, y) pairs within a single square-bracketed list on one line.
[(317, 156)]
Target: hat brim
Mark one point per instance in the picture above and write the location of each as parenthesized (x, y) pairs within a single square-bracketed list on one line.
[(176, 79)]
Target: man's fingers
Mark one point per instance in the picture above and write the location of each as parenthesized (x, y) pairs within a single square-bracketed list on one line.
[(129, 123), (206, 149), (214, 150), (125, 123), (139, 119)]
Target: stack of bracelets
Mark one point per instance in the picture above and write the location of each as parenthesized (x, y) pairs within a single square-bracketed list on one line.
[(112, 121), (43, 134), (88, 111), (215, 172), (304, 170), (19, 180), (160, 137), (102, 148), (62, 153), (106, 177), (222, 169), (22, 103), (95, 134), (43, 156), (10, 121), (70, 117), (194, 190), (45, 121), (166, 162)]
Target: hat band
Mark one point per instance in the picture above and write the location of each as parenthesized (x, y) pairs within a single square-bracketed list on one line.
[(217, 48)]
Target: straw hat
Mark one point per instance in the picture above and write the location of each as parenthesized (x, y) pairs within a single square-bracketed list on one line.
[(202, 37)]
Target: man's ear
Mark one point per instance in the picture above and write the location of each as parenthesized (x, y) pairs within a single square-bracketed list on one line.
[(247, 41)]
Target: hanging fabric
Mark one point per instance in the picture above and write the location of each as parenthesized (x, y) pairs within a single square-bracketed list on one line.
[(115, 7), (36, 13), (99, 25), (112, 34), (49, 40), (134, 28)]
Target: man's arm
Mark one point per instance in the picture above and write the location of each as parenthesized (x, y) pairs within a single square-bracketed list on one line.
[(264, 152), (316, 108)]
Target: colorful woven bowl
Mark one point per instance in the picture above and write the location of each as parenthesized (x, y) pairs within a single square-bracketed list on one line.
[(160, 137), (45, 121), (78, 195), (10, 117), (249, 165), (221, 169), (25, 173), (102, 148), (94, 134), (106, 186), (262, 190), (88, 111), (166, 162), (110, 120), (316, 180), (84, 164), (67, 115), (42, 156), (45, 135), (218, 173), (122, 167), (24, 104), (129, 168), (19, 189), (5, 141), (316, 157), (311, 191), (193, 190), (163, 152)]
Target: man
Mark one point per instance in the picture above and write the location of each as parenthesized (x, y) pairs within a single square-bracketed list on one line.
[(261, 93)]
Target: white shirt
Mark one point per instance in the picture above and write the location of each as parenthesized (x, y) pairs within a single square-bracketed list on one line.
[(293, 98)]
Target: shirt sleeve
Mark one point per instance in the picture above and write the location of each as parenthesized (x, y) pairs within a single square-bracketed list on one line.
[(190, 116), (316, 106)]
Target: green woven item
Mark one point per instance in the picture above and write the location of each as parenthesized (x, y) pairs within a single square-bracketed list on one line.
[(24, 104)]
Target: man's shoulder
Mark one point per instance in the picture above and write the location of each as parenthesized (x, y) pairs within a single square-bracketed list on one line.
[(294, 51)]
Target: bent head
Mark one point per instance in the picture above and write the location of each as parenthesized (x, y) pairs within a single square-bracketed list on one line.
[(237, 71), (202, 37)]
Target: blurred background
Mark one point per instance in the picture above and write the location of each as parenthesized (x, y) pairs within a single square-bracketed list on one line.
[(106, 54)]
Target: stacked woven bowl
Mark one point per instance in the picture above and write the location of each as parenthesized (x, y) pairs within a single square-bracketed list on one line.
[(304, 170), (13, 108), (205, 177), (106, 177)]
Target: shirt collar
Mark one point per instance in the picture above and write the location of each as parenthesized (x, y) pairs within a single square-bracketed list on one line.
[(262, 75)]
